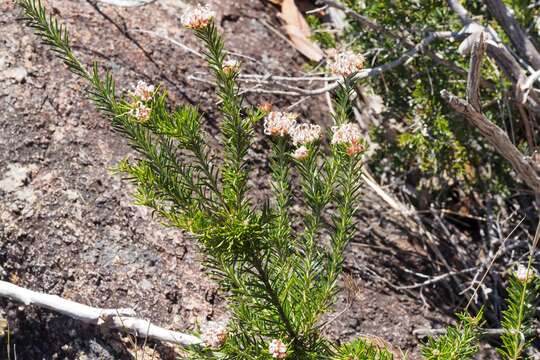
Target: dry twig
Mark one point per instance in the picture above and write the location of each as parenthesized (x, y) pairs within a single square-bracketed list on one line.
[(496, 136), (122, 319)]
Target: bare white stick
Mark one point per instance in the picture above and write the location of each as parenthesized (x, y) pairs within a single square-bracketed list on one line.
[(122, 319)]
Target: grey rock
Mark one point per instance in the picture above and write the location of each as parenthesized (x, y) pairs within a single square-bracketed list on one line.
[(17, 73)]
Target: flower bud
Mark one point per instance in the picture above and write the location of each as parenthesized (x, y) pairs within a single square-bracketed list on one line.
[(231, 66), (524, 275), (301, 153), (277, 349)]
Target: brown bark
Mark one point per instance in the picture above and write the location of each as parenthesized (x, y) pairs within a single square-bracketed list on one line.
[(496, 136), (517, 35)]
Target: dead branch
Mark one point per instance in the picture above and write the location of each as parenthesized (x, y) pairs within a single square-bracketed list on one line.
[(460, 11), (169, 39), (506, 60), (121, 319), (474, 76), (524, 87), (471, 110), (517, 35), (269, 78), (498, 138), (127, 3)]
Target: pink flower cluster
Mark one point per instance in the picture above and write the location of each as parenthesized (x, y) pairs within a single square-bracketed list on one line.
[(141, 112), (303, 134), (231, 66), (197, 17), (348, 134), (301, 153), (282, 123), (277, 349), (279, 123), (345, 63), (524, 275), (143, 91)]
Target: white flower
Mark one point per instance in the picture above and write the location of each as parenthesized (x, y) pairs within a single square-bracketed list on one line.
[(141, 112), (230, 66), (277, 349), (348, 134), (523, 274), (144, 91), (197, 17), (301, 153), (279, 123), (304, 134), (345, 63), (215, 334)]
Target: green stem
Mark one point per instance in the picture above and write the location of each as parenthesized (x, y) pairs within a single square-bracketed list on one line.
[(274, 299), (279, 168)]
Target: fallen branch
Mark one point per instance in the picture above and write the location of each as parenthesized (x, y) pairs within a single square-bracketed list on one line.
[(122, 319)]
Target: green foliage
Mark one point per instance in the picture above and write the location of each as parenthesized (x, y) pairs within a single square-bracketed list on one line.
[(363, 349), (459, 343), (517, 319), (430, 144), (320, 35)]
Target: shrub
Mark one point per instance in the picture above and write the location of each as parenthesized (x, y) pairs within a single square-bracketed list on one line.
[(279, 271)]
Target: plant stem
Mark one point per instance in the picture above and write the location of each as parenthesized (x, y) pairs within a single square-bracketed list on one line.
[(274, 299)]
